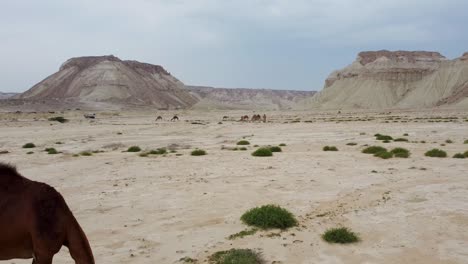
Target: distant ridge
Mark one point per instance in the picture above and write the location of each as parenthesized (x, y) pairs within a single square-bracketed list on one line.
[(243, 98)]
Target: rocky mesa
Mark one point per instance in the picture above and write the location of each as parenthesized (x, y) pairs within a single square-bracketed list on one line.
[(90, 80), (396, 79)]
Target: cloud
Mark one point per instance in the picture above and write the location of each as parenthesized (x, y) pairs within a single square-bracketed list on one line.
[(225, 43)]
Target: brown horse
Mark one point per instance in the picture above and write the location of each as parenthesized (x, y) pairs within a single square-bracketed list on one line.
[(35, 221)]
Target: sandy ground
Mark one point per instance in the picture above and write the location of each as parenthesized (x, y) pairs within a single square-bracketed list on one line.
[(160, 209)]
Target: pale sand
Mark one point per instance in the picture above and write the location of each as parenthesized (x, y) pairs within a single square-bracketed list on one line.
[(160, 209)]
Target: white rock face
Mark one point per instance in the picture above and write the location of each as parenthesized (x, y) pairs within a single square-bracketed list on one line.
[(401, 79), (109, 79)]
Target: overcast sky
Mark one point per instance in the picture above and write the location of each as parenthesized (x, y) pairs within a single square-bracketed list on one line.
[(278, 44)]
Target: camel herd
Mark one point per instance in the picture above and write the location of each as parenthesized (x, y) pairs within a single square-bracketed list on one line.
[(244, 118)]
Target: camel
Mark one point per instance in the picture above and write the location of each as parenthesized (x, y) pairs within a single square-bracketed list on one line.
[(159, 118), (264, 118), (35, 221), (244, 118), (175, 118), (255, 118)]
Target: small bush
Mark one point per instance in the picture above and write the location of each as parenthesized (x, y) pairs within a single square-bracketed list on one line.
[(134, 149), (198, 152), (448, 141), (255, 146), (405, 134), (243, 148), (436, 153), (330, 148), (459, 156), (351, 144), (159, 151), (466, 142), (29, 145), (51, 151), (243, 143), (282, 145), (59, 119), (386, 141), (384, 155), (269, 216), (400, 152), (465, 154), (144, 154), (262, 152), (373, 150), (30, 152), (275, 149), (86, 153), (383, 137), (236, 256), (243, 233), (400, 140), (340, 235)]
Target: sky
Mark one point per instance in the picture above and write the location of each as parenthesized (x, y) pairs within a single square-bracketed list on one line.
[(275, 44)]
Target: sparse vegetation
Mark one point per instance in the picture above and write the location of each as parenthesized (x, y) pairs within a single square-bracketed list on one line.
[(330, 148), (437, 153), (351, 144), (448, 141), (243, 143), (282, 145), (374, 150), (400, 152), (262, 152), (86, 153), (269, 216), (198, 152), (51, 151), (134, 149), (158, 151), (236, 256), (341, 235), (243, 148), (30, 152), (400, 140), (275, 149), (383, 137), (29, 145), (243, 233), (459, 156), (59, 119), (384, 155), (405, 134)]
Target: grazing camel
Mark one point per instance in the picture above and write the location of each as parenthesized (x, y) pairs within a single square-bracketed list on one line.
[(175, 118), (159, 118), (35, 222)]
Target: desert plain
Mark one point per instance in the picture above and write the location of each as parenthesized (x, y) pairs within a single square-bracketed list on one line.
[(164, 208)]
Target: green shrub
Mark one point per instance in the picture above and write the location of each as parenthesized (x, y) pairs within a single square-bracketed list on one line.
[(29, 145), (243, 143), (384, 155), (59, 119), (465, 154), (262, 152), (400, 152), (373, 150), (351, 144), (275, 149), (448, 141), (86, 153), (269, 216), (459, 156), (383, 137), (282, 145), (134, 149), (330, 148), (198, 152), (436, 153), (466, 142), (159, 151), (405, 134), (340, 235), (236, 256), (386, 141), (51, 151), (30, 152), (400, 140), (243, 148)]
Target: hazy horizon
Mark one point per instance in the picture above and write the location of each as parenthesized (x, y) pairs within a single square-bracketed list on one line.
[(277, 44)]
